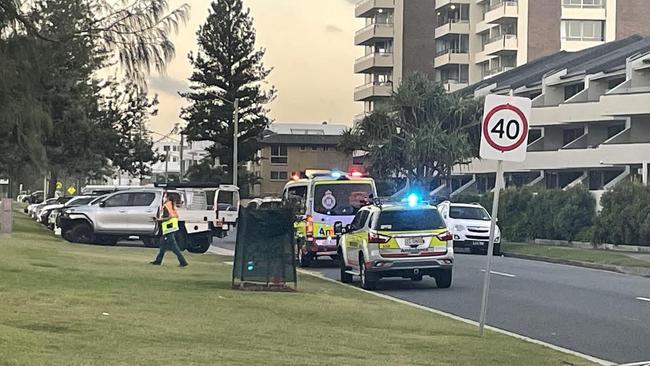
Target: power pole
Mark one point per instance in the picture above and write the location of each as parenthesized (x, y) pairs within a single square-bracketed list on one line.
[(234, 145), (181, 157)]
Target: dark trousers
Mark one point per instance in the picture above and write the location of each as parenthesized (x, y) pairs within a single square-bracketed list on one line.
[(168, 242)]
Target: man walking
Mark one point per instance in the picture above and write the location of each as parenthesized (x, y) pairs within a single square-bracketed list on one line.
[(169, 225)]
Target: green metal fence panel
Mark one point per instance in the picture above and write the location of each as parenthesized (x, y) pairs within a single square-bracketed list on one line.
[(264, 252)]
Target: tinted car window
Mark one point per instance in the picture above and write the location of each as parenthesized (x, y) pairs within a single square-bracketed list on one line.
[(119, 200), (410, 220), (469, 213), (142, 198), (341, 199)]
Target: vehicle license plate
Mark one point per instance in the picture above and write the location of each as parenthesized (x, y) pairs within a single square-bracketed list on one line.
[(414, 241)]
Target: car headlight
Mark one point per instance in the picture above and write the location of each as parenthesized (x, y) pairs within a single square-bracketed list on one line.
[(459, 228)]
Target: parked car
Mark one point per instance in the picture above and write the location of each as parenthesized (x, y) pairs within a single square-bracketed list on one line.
[(469, 224), (53, 211), (130, 213), (34, 197), (265, 203)]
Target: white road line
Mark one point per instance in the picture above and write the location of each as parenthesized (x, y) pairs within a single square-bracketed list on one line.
[(643, 299), (464, 320), (500, 273), (642, 363)]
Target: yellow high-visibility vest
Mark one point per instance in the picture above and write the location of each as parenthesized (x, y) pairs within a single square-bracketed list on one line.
[(170, 225)]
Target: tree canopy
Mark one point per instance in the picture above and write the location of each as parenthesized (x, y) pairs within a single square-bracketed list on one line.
[(227, 67), (420, 133)]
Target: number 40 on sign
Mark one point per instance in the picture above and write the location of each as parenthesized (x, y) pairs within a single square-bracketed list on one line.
[(504, 132)]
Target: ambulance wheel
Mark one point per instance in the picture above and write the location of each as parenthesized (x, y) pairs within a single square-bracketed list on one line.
[(345, 277), (368, 281)]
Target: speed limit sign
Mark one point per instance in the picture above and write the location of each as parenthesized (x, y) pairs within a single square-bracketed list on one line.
[(504, 131)]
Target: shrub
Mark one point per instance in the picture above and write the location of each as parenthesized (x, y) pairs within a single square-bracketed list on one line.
[(625, 217), (548, 214)]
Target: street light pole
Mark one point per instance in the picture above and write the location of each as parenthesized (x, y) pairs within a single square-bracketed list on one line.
[(234, 145)]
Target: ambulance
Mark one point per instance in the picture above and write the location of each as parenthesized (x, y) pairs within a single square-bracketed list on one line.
[(321, 198)]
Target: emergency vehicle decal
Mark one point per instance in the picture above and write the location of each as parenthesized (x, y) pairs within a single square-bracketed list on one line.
[(328, 201)]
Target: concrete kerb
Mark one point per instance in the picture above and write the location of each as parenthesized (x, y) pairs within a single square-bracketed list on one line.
[(643, 272), (442, 313)]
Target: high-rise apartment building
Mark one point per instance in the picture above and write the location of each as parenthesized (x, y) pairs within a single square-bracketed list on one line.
[(462, 42), (398, 40)]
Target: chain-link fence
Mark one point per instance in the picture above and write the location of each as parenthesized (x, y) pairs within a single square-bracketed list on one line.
[(264, 253)]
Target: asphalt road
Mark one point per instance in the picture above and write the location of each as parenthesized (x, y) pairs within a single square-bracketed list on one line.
[(599, 313)]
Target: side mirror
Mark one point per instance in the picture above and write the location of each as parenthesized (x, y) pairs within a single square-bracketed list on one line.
[(102, 204), (338, 228), (348, 228)]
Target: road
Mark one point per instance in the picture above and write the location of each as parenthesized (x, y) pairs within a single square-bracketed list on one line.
[(599, 313)]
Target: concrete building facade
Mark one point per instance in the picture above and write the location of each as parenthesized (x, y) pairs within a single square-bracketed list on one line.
[(296, 147), (590, 122), (461, 42), (397, 39)]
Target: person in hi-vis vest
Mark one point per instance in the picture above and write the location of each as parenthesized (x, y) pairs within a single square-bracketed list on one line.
[(168, 218)]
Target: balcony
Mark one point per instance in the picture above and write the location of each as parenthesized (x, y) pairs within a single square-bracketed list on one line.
[(373, 62), (372, 91), (442, 3), (451, 56), (584, 12), (626, 101), (373, 33), (624, 153), (505, 43), (452, 27), (452, 85), (367, 8), (501, 12)]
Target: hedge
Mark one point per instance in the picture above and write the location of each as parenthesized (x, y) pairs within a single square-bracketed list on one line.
[(527, 213), (625, 217)]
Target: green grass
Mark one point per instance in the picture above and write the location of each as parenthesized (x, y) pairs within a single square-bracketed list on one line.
[(53, 295), (576, 254)]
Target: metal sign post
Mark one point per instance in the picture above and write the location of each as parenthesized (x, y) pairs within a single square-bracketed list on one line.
[(503, 135)]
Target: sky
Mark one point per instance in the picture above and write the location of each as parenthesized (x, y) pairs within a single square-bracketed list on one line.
[(309, 45)]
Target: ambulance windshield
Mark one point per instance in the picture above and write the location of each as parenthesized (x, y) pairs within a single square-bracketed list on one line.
[(341, 199)]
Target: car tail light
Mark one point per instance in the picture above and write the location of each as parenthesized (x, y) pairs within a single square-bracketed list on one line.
[(376, 238), (446, 236), (309, 230)]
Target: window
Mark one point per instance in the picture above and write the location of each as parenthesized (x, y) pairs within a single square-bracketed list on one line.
[(410, 220), (166, 148), (279, 176), (175, 148), (583, 30), (303, 148), (469, 213), (118, 200), (572, 134), (341, 199), (174, 159), (143, 198), (326, 148), (614, 130), (314, 148), (359, 220), (296, 196), (572, 90), (279, 154)]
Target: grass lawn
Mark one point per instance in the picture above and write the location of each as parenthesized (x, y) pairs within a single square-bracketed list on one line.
[(576, 254), (54, 293)]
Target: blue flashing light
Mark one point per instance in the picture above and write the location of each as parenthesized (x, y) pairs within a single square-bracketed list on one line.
[(412, 200), (336, 175)]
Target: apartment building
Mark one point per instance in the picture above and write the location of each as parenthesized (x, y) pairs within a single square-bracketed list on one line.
[(398, 40), (590, 121), (478, 39), (296, 147), (461, 42), (170, 149)]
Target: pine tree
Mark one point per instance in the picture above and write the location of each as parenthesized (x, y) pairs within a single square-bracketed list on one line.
[(227, 67)]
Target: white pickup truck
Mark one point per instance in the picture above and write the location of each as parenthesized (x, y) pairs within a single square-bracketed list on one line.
[(204, 212)]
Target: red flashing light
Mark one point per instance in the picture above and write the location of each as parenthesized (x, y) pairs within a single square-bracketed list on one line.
[(357, 174)]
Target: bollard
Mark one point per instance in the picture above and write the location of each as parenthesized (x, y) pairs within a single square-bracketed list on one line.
[(6, 216)]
